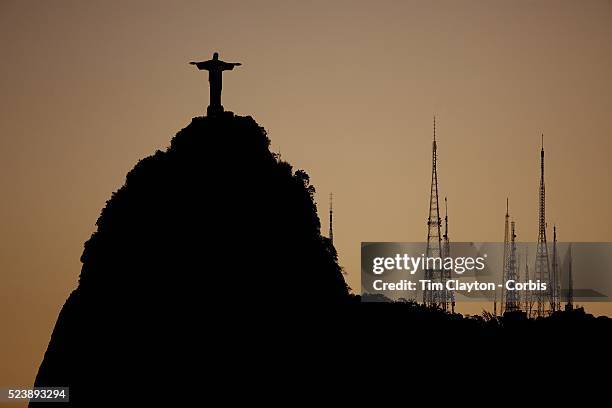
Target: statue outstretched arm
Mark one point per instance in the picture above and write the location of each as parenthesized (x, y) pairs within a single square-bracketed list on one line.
[(201, 65), (228, 66)]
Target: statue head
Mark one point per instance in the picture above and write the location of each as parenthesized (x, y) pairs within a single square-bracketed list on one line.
[(216, 56)]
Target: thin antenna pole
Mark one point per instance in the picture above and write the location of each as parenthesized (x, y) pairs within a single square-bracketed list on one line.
[(445, 217), (432, 297), (542, 266), (502, 299), (331, 217)]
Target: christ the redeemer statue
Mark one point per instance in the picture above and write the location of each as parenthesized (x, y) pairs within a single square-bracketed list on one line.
[(215, 68)]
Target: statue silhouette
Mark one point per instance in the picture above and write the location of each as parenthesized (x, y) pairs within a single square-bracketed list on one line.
[(215, 68)]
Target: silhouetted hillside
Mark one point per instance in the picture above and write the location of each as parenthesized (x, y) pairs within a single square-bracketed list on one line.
[(208, 279), (213, 226)]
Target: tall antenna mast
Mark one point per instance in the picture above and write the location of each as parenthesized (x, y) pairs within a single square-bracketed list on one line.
[(434, 298), (555, 303), (331, 217), (570, 284), (445, 219), (505, 259), (434, 129), (542, 266), (512, 299)]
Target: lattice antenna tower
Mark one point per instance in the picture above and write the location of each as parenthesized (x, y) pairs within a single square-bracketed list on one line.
[(542, 266), (512, 296), (434, 298), (505, 259), (555, 301)]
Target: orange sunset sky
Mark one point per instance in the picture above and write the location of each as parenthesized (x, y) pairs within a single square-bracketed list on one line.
[(346, 90)]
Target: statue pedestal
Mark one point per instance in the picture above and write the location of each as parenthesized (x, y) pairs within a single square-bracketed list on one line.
[(214, 110)]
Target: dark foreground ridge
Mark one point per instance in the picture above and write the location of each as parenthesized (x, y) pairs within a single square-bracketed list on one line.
[(208, 271)]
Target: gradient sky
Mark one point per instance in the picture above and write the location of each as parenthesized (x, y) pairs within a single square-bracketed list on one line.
[(346, 90)]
